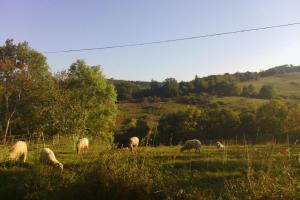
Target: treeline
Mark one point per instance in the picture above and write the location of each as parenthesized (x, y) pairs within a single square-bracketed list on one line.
[(221, 85), (274, 120), (76, 101)]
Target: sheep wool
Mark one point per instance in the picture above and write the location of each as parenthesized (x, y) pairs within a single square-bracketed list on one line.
[(82, 145), (220, 145), (18, 152), (191, 144), (133, 142), (47, 157)]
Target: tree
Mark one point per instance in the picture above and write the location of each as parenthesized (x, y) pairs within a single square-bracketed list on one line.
[(220, 123), (267, 92), (170, 87), (92, 100), (24, 82), (248, 126), (185, 88), (200, 85), (292, 123), (179, 126), (270, 118), (248, 91)]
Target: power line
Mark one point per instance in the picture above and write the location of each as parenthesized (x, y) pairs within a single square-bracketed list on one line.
[(172, 40)]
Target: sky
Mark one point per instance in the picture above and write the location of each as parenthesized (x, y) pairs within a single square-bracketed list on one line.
[(60, 25)]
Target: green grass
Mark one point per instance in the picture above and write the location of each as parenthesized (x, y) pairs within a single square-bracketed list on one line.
[(287, 85), (151, 173)]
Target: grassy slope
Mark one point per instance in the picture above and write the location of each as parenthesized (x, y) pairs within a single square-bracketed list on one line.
[(287, 85), (155, 110)]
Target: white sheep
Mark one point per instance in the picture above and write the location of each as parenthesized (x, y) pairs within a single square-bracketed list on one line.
[(82, 145), (47, 157), (133, 142), (18, 152), (220, 145), (191, 144)]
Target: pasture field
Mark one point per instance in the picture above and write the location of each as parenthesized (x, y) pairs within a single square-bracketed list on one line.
[(287, 84), (238, 172)]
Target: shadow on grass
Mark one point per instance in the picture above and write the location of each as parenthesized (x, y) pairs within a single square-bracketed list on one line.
[(8, 164)]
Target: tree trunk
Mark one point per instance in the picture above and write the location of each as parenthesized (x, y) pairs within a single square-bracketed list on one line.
[(7, 126)]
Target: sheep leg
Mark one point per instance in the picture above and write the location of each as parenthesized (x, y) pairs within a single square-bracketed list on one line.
[(24, 157)]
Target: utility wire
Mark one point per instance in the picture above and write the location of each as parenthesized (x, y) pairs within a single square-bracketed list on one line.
[(172, 40)]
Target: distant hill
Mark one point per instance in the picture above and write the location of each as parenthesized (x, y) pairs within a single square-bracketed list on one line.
[(284, 79), (286, 85)]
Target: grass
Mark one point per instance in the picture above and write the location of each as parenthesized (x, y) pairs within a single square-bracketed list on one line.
[(287, 84), (154, 173)]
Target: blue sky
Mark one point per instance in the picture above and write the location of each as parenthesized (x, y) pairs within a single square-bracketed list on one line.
[(57, 25)]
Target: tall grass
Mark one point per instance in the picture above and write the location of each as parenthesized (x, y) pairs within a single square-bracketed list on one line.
[(237, 172)]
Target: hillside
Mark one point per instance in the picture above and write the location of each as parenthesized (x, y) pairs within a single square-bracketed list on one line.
[(286, 85)]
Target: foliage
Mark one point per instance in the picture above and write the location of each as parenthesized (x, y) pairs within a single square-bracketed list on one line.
[(91, 98), (178, 126), (271, 117), (267, 92), (292, 122), (26, 84), (79, 100), (220, 123)]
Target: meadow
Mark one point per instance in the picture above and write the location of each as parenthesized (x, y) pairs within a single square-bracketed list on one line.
[(269, 171)]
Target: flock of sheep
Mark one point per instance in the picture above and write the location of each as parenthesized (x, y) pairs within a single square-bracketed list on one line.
[(18, 151)]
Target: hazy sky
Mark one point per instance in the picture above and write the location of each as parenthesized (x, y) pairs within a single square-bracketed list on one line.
[(57, 25)]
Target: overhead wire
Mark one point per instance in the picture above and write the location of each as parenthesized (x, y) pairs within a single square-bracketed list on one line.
[(172, 40)]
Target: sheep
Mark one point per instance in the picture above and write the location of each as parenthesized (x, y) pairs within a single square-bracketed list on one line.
[(191, 144), (220, 145), (47, 157), (18, 152), (82, 145), (133, 142)]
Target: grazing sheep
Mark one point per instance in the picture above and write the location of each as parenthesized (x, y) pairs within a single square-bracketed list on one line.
[(191, 144), (133, 142), (220, 145), (48, 157), (18, 152), (82, 145)]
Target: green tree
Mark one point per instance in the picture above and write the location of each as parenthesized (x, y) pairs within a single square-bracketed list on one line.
[(179, 126), (170, 87), (248, 91), (185, 88), (248, 126), (92, 100), (200, 85), (24, 81), (267, 92), (220, 123), (292, 123), (270, 118)]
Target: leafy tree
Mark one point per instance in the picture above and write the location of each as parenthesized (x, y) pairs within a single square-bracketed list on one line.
[(24, 81), (292, 123), (179, 126), (248, 124), (270, 118), (220, 123), (267, 92), (92, 100), (170, 87), (248, 91), (200, 85), (185, 88)]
